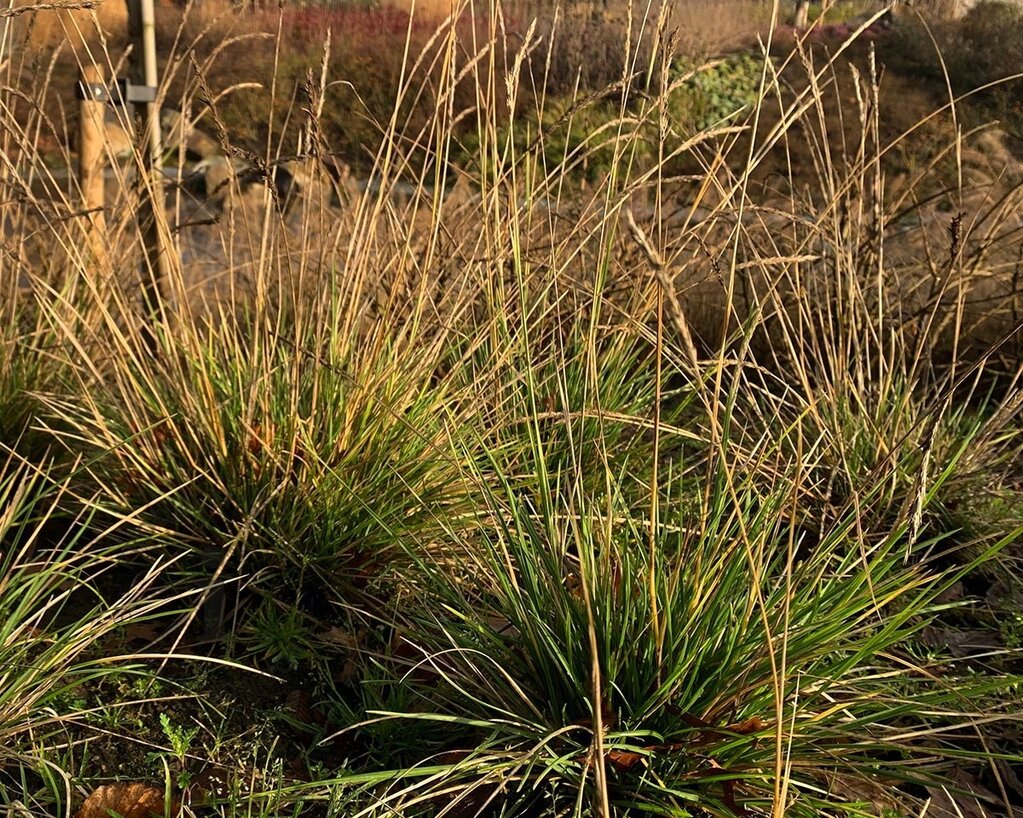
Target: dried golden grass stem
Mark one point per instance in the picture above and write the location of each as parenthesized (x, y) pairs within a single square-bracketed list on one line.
[(75, 5)]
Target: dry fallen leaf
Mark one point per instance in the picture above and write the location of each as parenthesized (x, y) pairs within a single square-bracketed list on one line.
[(964, 797), (257, 442), (126, 799), (744, 728), (342, 638), (945, 804), (879, 794), (624, 759), (300, 705), (143, 632)]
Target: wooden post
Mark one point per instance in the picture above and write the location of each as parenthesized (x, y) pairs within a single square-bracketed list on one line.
[(802, 15), (152, 214), (91, 164)]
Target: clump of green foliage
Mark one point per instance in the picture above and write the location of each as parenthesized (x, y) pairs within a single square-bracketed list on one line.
[(578, 133), (723, 90), (986, 49)]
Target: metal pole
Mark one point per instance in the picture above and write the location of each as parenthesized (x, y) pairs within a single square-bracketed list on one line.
[(91, 169), (152, 215)]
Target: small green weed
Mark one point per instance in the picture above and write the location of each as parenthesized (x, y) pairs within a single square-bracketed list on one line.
[(180, 737), (1011, 629), (280, 633)]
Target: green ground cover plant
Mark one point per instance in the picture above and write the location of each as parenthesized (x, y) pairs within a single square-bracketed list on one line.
[(722, 90)]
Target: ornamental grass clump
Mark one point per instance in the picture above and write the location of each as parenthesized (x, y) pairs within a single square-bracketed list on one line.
[(285, 448), (62, 597), (720, 614), (283, 419), (596, 659), (887, 348), (32, 371)]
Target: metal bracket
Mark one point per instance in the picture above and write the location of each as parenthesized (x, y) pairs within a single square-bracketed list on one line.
[(121, 92)]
